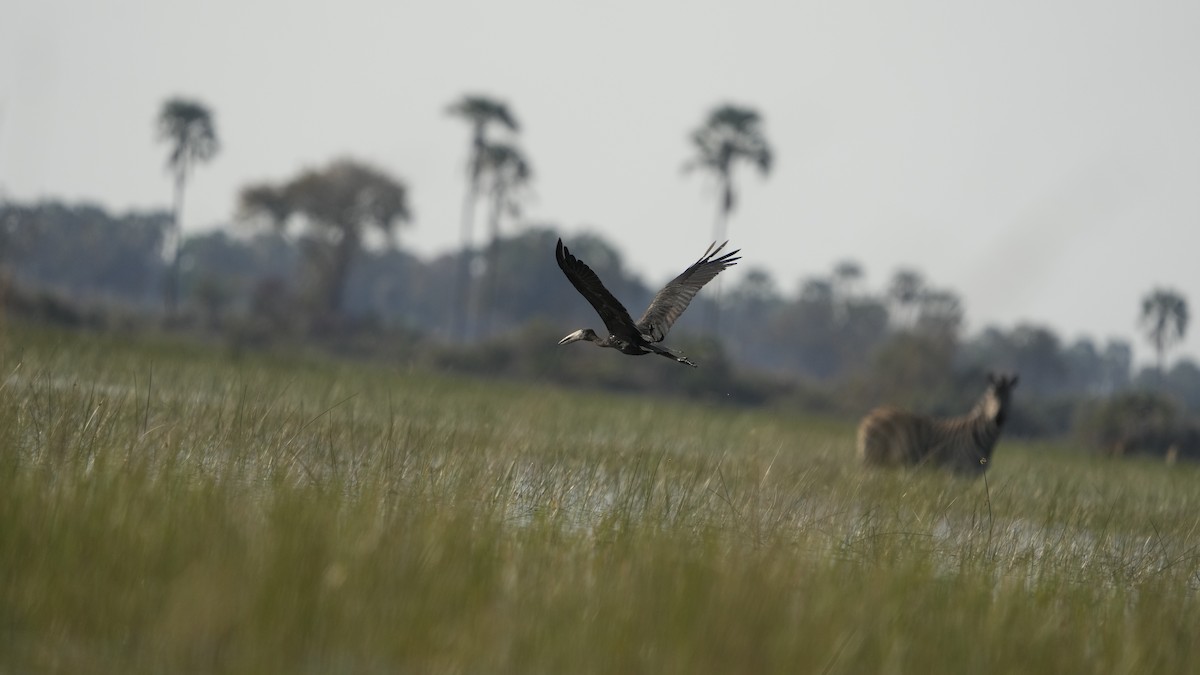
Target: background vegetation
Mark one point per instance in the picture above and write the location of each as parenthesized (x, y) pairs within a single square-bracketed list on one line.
[(834, 345)]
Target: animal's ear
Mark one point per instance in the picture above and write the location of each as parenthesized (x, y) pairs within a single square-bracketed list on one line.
[(1012, 380), (991, 377)]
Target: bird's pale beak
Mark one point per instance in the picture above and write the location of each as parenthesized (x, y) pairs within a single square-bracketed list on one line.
[(573, 337)]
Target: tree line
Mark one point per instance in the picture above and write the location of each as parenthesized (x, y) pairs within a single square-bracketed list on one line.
[(903, 342)]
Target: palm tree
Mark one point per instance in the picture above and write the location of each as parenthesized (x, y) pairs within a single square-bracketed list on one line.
[(189, 129), (508, 173), (480, 112), (1165, 318), (729, 135)]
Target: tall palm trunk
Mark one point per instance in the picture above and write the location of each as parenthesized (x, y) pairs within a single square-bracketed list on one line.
[(721, 224), (339, 273), (1160, 357), (461, 295), (460, 313), (720, 234), (488, 294), (175, 239)]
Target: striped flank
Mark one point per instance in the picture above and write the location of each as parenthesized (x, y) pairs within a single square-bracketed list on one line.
[(892, 437)]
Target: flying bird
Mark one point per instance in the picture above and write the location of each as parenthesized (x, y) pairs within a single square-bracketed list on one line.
[(643, 336)]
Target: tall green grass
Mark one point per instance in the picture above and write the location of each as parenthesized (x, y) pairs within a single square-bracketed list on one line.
[(167, 508)]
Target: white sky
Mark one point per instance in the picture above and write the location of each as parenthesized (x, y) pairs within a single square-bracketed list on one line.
[(1039, 157)]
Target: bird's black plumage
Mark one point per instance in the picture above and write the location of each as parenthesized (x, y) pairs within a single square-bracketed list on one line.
[(640, 337)]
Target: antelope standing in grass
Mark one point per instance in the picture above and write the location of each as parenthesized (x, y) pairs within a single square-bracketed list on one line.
[(891, 437)]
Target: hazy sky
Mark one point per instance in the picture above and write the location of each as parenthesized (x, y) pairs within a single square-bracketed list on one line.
[(1041, 158)]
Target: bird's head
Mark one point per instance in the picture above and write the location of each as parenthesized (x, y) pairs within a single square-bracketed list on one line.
[(581, 334)]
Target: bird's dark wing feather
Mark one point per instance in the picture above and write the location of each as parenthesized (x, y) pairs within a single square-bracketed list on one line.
[(616, 317), (675, 297)]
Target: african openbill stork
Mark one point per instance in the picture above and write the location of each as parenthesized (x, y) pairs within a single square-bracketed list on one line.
[(642, 337)]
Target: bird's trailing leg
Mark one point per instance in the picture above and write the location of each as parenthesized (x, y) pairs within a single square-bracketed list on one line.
[(674, 356)]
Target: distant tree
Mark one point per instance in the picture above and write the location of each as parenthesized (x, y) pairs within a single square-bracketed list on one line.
[(507, 173), (530, 289), (1164, 318), (912, 370), (85, 252), (188, 128), (8, 226), (273, 309), (1117, 360), (808, 328), (335, 206), (237, 264), (214, 296), (904, 292), (862, 327), (1085, 368), (1131, 422), (755, 299), (940, 313), (1183, 381), (756, 289), (846, 276), (1038, 356), (480, 112), (272, 202), (729, 135)]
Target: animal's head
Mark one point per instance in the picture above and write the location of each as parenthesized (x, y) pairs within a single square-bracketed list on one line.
[(581, 334), (998, 394)]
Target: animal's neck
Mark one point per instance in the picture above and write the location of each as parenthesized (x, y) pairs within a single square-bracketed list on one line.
[(988, 408)]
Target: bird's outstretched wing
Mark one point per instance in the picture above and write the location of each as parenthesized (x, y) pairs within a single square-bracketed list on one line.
[(675, 297), (616, 317)]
